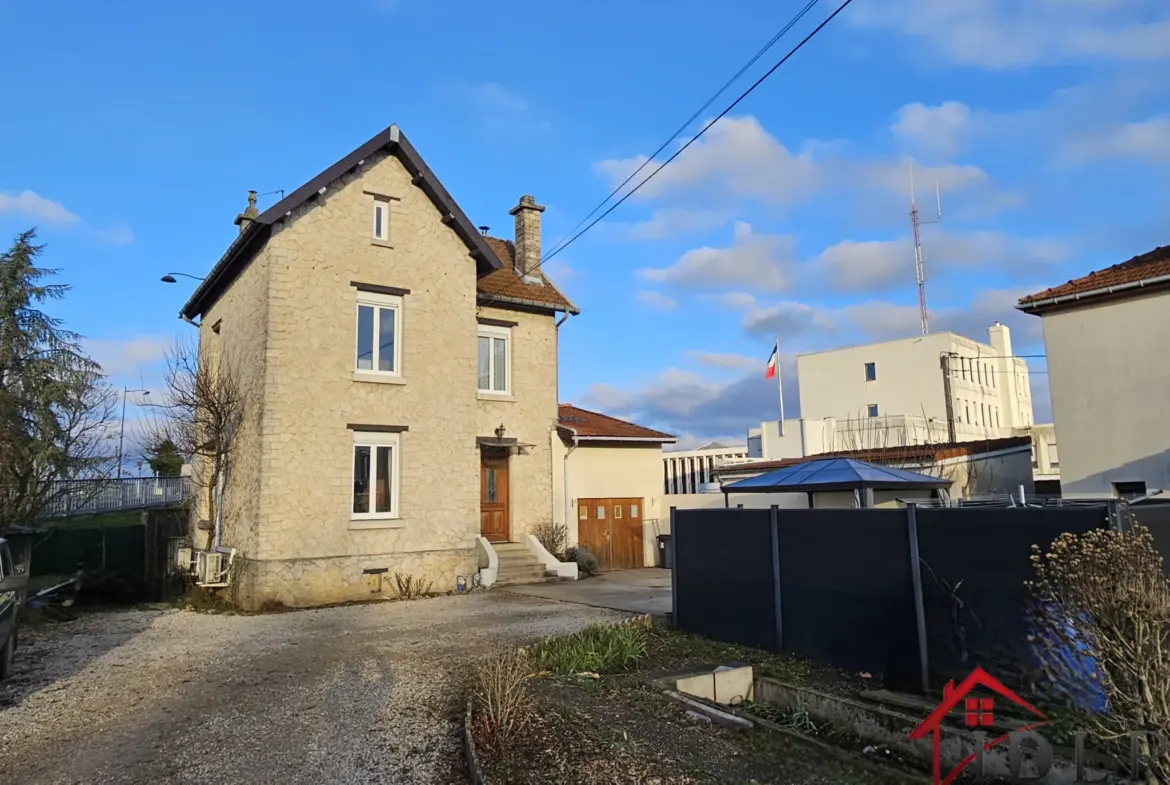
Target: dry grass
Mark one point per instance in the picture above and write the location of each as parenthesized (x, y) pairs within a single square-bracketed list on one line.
[(501, 696), (408, 587)]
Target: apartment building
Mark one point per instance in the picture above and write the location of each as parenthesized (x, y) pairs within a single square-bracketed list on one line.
[(946, 383), (687, 471)]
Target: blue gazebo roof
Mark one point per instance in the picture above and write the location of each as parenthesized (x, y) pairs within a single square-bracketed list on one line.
[(834, 474)]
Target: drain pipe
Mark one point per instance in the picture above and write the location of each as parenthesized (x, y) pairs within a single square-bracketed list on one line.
[(565, 467)]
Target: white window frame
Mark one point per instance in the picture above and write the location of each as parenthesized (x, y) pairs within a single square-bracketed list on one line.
[(383, 204), (374, 440), (865, 371), (494, 332), (872, 410), (377, 302)]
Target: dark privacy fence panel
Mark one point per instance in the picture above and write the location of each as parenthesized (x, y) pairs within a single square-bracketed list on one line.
[(846, 592), (723, 575), (1156, 518), (975, 562)]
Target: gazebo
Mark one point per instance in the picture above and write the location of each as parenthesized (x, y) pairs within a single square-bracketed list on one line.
[(837, 475)]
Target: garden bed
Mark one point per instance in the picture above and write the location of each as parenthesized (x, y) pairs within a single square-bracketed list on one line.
[(615, 725)]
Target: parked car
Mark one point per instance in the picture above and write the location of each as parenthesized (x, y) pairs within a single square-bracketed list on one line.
[(12, 586)]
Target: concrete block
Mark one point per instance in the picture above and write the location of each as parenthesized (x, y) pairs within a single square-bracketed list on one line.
[(734, 685), (701, 685)]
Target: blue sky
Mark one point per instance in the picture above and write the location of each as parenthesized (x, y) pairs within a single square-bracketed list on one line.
[(134, 130)]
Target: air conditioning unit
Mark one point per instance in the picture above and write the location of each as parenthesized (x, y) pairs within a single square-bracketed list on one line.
[(209, 567), (185, 559)]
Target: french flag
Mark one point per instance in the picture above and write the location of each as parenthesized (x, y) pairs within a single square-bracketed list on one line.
[(770, 372)]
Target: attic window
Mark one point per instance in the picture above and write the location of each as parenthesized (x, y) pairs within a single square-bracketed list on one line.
[(380, 227)]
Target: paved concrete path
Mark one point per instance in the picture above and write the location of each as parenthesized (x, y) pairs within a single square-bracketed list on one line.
[(646, 590), (365, 693)]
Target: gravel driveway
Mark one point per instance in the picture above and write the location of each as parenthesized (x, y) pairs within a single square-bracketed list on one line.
[(365, 693)]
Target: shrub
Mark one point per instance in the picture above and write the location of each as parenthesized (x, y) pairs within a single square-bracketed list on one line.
[(586, 561), (553, 536), (408, 587), (595, 649), (1103, 613), (500, 695)]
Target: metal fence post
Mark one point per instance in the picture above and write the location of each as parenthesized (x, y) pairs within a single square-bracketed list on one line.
[(919, 602), (673, 568), (776, 578)]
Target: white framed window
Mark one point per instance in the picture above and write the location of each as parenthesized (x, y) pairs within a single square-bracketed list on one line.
[(375, 475), (380, 220), (379, 334), (871, 372), (495, 360)]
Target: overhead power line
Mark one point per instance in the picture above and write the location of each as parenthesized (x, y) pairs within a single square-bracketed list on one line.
[(692, 140), (687, 124)]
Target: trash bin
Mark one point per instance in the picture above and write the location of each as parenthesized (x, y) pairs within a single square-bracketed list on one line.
[(665, 558)]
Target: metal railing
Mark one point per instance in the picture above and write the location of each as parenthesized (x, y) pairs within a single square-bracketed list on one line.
[(84, 497)]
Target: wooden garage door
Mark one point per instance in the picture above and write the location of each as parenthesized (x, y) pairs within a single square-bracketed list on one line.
[(612, 528)]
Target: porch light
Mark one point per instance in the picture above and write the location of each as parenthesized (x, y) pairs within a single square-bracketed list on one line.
[(500, 431)]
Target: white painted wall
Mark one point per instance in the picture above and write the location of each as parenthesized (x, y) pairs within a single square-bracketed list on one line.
[(991, 395), (686, 471), (1109, 370)]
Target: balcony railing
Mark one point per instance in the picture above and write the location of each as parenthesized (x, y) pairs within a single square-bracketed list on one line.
[(85, 497)]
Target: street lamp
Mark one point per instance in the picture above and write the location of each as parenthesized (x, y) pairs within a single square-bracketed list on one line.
[(122, 431), (170, 277)]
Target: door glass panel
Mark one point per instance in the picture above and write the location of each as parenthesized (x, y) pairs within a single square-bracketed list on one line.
[(600, 513), (617, 511), (583, 512), (633, 511), (491, 494)]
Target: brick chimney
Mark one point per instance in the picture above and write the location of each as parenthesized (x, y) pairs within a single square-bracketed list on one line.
[(250, 213), (527, 235)]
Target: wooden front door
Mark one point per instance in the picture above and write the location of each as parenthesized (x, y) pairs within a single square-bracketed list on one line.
[(612, 528), (493, 497)]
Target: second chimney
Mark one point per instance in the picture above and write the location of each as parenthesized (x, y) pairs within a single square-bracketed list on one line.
[(250, 213), (527, 214)]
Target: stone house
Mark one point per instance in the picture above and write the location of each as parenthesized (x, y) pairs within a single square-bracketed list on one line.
[(402, 371)]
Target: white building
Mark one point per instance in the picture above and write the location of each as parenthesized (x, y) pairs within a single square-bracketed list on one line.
[(1108, 343), (687, 471), (936, 384)]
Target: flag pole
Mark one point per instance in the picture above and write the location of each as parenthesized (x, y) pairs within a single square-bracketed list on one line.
[(779, 386)]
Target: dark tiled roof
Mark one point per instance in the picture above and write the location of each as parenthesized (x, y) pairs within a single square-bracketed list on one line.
[(600, 426), (503, 285), (249, 242), (1154, 264), (892, 455)]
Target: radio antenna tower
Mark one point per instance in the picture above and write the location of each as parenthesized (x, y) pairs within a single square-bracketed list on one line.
[(919, 268)]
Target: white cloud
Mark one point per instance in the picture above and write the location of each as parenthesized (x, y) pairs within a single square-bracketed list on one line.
[(737, 157), (787, 319), (755, 260), (127, 357), (29, 204), (668, 223), (1003, 34), (656, 300), (495, 98), (933, 130), (880, 264), (118, 234), (1147, 140), (720, 360)]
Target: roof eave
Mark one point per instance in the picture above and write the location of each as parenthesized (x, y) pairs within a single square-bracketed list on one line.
[(488, 299), (1077, 299), (645, 439)]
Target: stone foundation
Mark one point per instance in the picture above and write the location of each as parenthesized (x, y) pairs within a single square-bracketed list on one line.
[(298, 583)]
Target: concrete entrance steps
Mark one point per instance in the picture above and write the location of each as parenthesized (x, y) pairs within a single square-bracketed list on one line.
[(518, 565)]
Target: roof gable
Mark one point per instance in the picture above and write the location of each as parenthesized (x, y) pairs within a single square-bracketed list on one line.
[(392, 141), (1147, 272), (595, 426)]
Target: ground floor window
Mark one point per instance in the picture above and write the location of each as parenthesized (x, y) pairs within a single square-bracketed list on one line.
[(375, 475)]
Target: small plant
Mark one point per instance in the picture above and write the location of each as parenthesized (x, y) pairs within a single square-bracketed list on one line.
[(596, 649), (553, 536), (408, 587), (500, 695), (586, 561), (795, 718)]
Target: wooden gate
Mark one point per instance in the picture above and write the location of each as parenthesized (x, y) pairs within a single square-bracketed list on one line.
[(612, 528)]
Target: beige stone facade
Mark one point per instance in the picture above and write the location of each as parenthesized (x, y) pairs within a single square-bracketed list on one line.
[(290, 317)]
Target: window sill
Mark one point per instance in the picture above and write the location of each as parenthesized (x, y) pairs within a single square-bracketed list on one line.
[(377, 378), (376, 523), (381, 243), (495, 396)]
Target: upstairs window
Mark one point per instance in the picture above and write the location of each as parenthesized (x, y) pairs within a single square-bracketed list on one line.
[(871, 372), (379, 323), (495, 360), (380, 224), (873, 410)]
